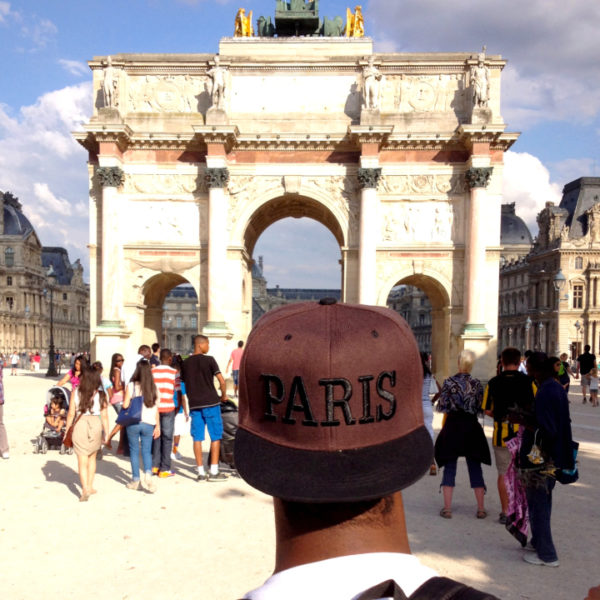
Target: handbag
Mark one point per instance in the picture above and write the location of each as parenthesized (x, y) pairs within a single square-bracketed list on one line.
[(131, 415), (68, 437)]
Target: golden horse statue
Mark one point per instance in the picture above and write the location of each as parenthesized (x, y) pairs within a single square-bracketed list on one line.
[(243, 24), (355, 23)]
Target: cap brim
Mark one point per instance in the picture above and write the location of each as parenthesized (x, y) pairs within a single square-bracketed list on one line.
[(337, 476)]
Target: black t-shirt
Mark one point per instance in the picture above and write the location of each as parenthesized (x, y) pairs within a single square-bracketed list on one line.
[(198, 373), (586, 362)]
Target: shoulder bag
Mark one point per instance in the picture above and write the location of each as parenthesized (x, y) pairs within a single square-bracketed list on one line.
[(68, 437), (131, 415)]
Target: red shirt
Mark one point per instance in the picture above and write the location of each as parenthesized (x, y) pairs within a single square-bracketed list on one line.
[(236, 358), (164, 379)]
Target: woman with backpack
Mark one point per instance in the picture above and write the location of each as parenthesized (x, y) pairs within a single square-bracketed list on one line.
[(88, 412), (141, 434)]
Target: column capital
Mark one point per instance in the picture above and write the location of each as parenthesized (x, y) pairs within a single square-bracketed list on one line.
[(478, 177), (369, 178), (110, 176), (217, 177)]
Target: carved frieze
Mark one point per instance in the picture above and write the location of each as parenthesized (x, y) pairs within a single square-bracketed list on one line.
[(243, 189), (344, 195), (167, 183), (162, 221), (423, 184), (422, 222), (110, 176), (177, 93)]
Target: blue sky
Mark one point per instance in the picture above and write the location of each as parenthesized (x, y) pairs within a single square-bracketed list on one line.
[(551, 93)]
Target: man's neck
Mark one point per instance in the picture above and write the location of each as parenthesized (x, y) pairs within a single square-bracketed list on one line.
[(510, 367), (296, 547)]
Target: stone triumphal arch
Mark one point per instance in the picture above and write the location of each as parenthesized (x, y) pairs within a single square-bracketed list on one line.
[(191, 157)]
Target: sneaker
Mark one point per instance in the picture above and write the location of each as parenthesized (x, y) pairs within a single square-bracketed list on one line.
[(529, 548), (201, 477), (133, 485), (217, 477), (147, 483), (534, 559), (176, 456), (5, 455), (154, 470), (165, 474), (502, 519)]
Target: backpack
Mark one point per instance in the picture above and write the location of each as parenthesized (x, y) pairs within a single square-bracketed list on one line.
[(436, 588)]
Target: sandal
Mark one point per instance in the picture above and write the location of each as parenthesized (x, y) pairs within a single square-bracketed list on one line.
[(446, 513), (433, 470), (481, 514)]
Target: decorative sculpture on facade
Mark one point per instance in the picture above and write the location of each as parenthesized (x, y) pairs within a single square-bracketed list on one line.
[(218, 74), (478, 177), (110, 176), (480, 82), (216, 177), (371, 85), (369, 178), (243, 24), (110, 85), (301, 18), (355, 23)]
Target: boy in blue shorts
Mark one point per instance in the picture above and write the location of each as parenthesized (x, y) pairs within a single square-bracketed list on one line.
[(198, 373)]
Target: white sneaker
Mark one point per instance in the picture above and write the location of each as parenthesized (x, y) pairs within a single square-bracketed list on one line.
[(5, 455), (147, 483), (173, 456), (534, 559)]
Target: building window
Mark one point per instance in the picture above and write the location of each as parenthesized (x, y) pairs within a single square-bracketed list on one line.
[(9, 280), (178, 322), (421, 319), (9, 257), (10, 302), (577, 296), (64, 295), (579, 262), (194, 322)]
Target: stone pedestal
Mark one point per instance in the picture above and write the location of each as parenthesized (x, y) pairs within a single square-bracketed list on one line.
[(109, 115), (481, 116), (216, 116), (370, 116)]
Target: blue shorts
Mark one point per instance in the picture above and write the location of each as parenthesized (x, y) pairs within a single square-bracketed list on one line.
[(236, 377), (207, 417)]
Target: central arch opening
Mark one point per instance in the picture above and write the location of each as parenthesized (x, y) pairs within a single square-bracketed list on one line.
[(295, 245)]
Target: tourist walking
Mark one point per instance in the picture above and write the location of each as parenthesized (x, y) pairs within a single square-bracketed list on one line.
[(234, 362), (4, 448), (198, 374), (116, 399), (88, 411), (14, 362), (164, 379), (182, 418), (73, 375), (140, 435), (551, 438), (155, 356), (565, 373), (508, 388), (585, 363), (429, 384), (462, 435)]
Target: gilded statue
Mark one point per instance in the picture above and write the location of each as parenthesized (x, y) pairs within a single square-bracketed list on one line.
[(243, 24), (355, 24)]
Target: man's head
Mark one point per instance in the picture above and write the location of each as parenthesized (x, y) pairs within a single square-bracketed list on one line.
[(510, 358), (240, 344), (201, 344), (155, 348), (586, 348), (166, 356), (539, 367), (145, 351), (330, 404)]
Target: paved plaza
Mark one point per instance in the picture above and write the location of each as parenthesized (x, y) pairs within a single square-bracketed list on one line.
[(216, 540)]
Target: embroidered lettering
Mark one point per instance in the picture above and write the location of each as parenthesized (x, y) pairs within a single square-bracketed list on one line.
[(388, 396), (299, 390), (271, 399), (367, 417), (331, 402)]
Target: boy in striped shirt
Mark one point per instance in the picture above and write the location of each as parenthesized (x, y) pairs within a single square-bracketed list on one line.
[(164, 377)]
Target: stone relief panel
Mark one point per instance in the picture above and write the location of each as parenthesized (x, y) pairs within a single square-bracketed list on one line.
[(161, 221), (450, 184), (422, 222), (243, 189), (177, 93), (167, 183), (436, 93)]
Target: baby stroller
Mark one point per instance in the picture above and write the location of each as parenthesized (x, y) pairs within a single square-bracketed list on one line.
[(49, 438), (229, 414)]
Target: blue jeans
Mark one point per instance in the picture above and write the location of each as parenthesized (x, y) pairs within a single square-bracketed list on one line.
[(539, 501), (475, 473), (136, 434), (162, 446)]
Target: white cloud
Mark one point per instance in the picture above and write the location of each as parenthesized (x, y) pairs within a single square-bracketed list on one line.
[(45, 167), (4, 11), (552, 47), (527, 184), (40, 32), (74, 67), (569, 169)]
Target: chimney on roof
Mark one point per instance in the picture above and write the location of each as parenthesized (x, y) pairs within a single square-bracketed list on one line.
[(260, 263)]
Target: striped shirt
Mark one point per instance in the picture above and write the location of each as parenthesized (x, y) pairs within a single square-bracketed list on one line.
[(164, 378)]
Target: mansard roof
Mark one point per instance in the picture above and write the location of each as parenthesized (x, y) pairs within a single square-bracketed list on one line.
[(578, 197), (15, 222), (59, 259)]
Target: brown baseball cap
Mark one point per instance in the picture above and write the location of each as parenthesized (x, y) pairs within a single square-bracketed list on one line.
[(330, 404)]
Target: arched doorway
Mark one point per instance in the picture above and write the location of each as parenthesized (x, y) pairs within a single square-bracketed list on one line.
[(155, 291), (424, 302)]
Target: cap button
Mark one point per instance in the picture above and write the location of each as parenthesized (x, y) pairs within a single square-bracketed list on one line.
[(327, 301)]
